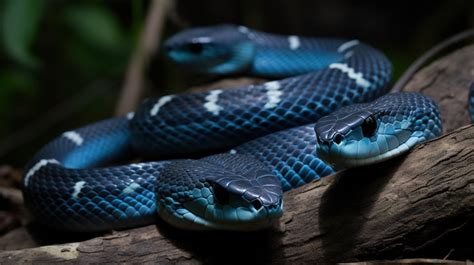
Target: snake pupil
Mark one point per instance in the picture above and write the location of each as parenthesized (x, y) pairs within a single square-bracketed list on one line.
[(338, 138), (195, 47), (220, 194), (369, 126)]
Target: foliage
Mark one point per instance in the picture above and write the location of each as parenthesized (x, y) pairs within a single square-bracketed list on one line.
[(20, 22), (51, 49)]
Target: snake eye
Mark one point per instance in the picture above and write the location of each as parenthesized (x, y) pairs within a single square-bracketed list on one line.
[(337, 138), (369, 126), (220, 194), (195, 47)]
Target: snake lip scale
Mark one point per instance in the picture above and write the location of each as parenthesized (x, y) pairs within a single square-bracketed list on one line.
[(276, 133)]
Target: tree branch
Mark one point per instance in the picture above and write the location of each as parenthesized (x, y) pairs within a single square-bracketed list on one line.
[(399, 208), (418, 205), (148, 45)]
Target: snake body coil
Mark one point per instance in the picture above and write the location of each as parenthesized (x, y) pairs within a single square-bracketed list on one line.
[(66, 186)]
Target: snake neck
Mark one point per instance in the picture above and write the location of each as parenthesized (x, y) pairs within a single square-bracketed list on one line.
[(278, 56)]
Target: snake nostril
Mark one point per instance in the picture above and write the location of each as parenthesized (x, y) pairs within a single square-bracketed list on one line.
[(195, 47), (168, 47), (257, 204)]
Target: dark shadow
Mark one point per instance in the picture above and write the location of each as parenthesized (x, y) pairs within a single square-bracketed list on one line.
[(455, 242), (224, 247), (44, 235), (208, 247), (346, 202)]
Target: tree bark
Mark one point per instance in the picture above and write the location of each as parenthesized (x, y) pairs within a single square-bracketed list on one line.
[(134, 78), (447, 81), (399, 208), (418, 205)]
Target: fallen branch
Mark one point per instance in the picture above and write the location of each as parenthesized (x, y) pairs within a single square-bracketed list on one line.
[(412, 261), (447, 81), (132, 89), (419, 205), (399, 208)]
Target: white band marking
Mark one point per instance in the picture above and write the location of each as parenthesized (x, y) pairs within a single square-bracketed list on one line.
[(294, 42), (37, 166), (211, 104), (131, 188), (202, 39), (243, 29), (160, 103), (77, 188), (233, 151), (358, 77), (273, 94), (348, 54), (74, 137), (130, 115), (347, 45)]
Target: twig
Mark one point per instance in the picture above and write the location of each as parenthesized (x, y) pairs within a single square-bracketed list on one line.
[(147, 46)]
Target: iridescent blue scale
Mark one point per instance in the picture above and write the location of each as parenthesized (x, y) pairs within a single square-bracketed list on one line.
[(268, 129)]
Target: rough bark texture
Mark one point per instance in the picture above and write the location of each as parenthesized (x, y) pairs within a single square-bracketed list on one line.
[(447, 81), (412, 206), (411, 261), (396, 209)]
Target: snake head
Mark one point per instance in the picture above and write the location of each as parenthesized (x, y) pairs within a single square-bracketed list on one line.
[(227, 191), (222, 49), (368, 133)]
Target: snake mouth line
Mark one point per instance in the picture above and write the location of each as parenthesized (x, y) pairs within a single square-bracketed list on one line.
[(191, 221), (338, 161), (241, 217)]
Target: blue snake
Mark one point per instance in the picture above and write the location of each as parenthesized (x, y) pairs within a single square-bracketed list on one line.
[(273, 136)]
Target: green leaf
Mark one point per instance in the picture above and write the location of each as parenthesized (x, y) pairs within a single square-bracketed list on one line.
[(20, 23), (96, 26), (14, 82), (137, 19)]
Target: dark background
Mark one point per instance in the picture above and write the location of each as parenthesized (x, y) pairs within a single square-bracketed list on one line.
[(62, 63)]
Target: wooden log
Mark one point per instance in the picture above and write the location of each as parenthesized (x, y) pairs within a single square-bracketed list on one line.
[(412, 261), (418, 205), (399, 208), (447, 81)]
